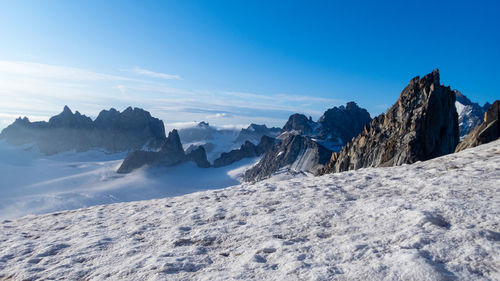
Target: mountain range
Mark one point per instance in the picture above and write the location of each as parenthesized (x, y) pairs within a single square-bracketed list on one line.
[(427, 121)]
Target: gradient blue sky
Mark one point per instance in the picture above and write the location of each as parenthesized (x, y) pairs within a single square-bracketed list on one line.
[(233, 62)]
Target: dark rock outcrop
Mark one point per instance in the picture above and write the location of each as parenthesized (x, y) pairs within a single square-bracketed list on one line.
[(295, 153), (334, 128), (171, 153), (255, 132), (488, 131), (247, 150), (300, 124), (199, 156), (111, 131), (306, 146), (470, 114), (344, 122), (421, 125)]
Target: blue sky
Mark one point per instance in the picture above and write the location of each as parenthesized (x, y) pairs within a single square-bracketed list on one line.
[(234, 62)]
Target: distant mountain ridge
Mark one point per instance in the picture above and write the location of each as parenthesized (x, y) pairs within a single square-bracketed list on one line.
[(305, 146), (470, 114), (488, 131), (255, 132), (112, 131)]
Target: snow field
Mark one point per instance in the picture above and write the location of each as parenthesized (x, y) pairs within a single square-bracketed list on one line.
[(433, 220)]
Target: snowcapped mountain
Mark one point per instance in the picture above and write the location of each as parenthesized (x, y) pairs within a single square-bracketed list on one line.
[(470, 114), (432, 220)]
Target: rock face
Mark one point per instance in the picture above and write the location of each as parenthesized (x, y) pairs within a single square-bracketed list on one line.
[(488, 131), (334, 128), (111, 131), (421, 125), (171, 153), (306, 146), (199, 156), (254, 133), (247, 150), (300, 124), (296, 153), (470, 114), (344, 122)]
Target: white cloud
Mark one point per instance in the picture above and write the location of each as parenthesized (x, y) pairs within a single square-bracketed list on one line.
[(30, 69), (153, 74), (223, 115)]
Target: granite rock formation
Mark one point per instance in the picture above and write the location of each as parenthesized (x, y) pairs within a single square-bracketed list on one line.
[(247, 150), (421, 125), (295, 153), (343, 122), (300, 124), (488, 131), (111, 131), (170, 153), (199, 156), (305, 146)]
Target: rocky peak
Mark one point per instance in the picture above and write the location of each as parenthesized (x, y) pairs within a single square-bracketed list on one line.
[(295, 154), (300, 123), (172, 144), (66, 119), (470, 114), (344, 122), (171, 153), (203, 124), (111, 131), (421, 125), (199, 156), (247, 150), (488, 131)]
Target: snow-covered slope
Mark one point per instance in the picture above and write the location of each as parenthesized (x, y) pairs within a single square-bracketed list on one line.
[(434, 220)]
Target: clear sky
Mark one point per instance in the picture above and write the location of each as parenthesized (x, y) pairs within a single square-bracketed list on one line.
[(234, 62)]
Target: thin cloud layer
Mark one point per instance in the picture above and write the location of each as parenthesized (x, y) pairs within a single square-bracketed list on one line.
[(39, 90), (153, 74)]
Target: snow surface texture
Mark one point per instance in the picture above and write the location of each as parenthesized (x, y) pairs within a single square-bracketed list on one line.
[(33, 183), (433, 220)]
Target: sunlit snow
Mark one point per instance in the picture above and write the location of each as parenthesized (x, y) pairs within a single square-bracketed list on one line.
[(433, 220)]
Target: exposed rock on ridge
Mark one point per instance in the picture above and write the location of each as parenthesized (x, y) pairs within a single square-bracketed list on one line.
[(296, 153), (421, 125), (171, 153), (344, 122), (247, 150), (306, 146), (488, 131), (111, 131), (199, 156)]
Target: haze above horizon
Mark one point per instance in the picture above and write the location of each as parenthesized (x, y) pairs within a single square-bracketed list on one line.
[(235, 62)]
